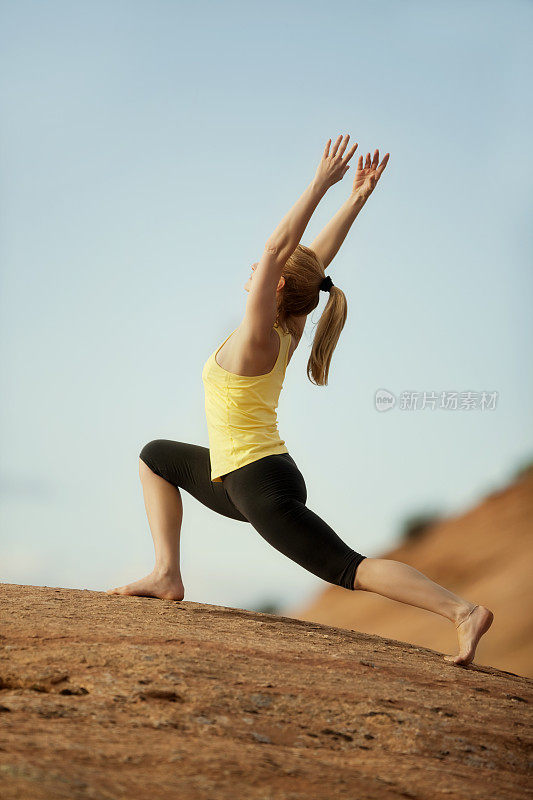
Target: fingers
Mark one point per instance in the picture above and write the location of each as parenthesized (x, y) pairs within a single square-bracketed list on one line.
[(336, 145), (350, 153), (344, 145), (383, 164), (370, 163), (371, 172)]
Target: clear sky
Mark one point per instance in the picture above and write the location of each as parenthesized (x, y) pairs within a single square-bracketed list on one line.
[(148, 149)]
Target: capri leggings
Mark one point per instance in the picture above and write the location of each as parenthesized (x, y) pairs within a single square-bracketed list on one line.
[(269, 493)]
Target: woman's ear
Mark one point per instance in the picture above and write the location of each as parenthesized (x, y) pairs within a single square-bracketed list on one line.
[(281, 283)]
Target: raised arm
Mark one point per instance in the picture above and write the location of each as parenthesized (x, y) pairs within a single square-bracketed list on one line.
[(261, 307), (328, 242)]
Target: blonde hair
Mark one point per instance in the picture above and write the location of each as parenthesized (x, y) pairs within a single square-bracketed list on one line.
[(303, 275)]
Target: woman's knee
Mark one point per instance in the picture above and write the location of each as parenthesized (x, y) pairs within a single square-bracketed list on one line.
[(145, 470), (149, 455)]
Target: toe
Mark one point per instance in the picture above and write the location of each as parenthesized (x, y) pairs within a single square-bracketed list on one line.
[(459, 659), (453, 659)]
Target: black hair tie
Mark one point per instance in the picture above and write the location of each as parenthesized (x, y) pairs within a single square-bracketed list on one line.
[(326, 284)]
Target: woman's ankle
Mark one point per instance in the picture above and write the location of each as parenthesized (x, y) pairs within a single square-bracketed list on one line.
[(167, 571), (462, 611)]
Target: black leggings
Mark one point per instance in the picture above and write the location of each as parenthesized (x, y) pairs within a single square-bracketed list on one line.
[(270, 493)]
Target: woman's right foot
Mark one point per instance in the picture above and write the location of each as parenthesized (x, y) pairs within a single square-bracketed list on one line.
[(470, 629), (156, 584)]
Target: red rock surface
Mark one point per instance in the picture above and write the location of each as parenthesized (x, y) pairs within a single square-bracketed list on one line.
[(108, 697), (484, 555)]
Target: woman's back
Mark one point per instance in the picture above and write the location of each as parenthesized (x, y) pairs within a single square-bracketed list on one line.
[(239, 356), (241, 409)]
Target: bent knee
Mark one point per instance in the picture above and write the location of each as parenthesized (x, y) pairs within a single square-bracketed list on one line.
[(144, 469), (150, 448), (149, 455)]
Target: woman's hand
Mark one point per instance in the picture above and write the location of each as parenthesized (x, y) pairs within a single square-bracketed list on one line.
[(366, 177), (334, 165)]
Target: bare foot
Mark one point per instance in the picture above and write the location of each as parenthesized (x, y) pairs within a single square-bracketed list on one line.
[(470, 629), (156, 584)]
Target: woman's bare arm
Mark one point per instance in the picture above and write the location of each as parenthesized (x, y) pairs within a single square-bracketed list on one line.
[(331, 169), (260, 312), (328, 242)]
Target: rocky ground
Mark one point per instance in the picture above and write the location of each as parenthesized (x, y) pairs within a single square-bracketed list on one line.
[(125, 697)]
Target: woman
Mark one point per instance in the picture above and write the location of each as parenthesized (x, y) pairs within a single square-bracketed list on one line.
[(247, 472)]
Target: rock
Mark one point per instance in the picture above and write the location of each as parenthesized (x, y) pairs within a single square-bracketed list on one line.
[(221, 712)]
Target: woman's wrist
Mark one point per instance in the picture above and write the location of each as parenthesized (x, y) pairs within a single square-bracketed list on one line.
[(358, 200), (319, 187)]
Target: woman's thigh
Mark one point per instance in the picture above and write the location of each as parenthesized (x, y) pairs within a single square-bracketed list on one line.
[(188, 467), (271, 493)]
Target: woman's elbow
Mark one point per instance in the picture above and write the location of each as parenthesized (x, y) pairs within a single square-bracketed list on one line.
[(281, 248)]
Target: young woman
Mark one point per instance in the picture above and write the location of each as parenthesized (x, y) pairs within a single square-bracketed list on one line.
[(247, 472)]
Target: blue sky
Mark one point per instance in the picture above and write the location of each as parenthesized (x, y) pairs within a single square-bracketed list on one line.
[(147, 151)]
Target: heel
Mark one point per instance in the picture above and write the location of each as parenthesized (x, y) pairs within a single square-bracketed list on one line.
[(468, 615)]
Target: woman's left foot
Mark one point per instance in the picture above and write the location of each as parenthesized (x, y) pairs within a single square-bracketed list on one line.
[(470, 630), (166, 587)]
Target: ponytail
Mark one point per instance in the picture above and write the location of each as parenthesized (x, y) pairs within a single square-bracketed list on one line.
[(327, 333), (304, 277)]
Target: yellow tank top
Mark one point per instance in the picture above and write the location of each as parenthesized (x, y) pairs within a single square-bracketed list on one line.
[(241, 411)]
